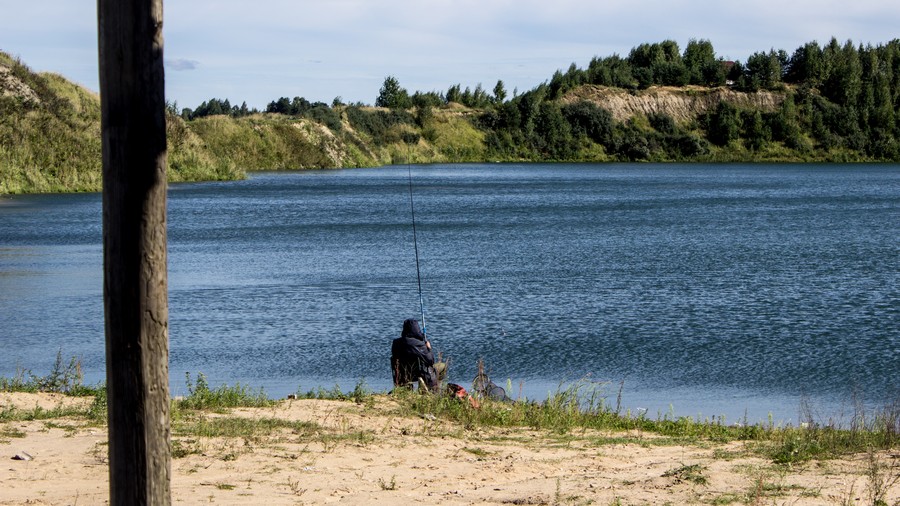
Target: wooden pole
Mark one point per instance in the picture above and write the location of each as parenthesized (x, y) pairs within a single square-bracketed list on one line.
[(135, 288)]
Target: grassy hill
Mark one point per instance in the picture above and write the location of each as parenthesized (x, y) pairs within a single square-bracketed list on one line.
[(50, 138)]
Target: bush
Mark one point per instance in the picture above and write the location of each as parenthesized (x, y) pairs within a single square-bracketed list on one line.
[(589, 119)]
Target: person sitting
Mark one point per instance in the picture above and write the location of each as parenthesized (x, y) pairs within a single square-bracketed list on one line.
[(412, 360)]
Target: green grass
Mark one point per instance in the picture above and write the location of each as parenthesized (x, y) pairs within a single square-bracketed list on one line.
[(576, 409), (578, 412), (202, 397), (361, 394), (65, 377), (238, 427)]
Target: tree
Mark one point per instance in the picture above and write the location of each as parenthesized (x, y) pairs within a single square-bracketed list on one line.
[(844, 81), (454, 94), (281, 106), (764, 70), (670, 73), (724, 124), (698, 56), (806, 65), (499, 92), (713, 73), (645, 55), (756, 133), (611, 71), (429, 99), (391, 95), (553, 135)]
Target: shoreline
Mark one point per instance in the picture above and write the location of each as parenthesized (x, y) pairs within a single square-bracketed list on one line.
[(316, 451)]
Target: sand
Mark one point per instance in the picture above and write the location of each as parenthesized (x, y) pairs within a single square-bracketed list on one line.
[(368, 454)]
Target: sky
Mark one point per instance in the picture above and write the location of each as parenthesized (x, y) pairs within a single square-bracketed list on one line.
[(258, 51)]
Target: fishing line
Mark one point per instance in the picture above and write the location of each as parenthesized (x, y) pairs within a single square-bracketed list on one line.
[(412, 210)]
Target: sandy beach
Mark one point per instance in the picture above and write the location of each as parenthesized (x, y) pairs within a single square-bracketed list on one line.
[(348, 453)]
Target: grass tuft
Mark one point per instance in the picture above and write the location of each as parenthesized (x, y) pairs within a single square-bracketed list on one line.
[(202, 397), (692, 473), (361, 394), (64, 378)]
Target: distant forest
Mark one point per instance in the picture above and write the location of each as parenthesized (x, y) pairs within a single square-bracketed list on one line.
[(840, 98)]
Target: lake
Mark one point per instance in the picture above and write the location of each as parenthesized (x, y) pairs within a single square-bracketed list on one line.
[(698, 290)]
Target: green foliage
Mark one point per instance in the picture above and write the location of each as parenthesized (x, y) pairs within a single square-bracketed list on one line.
[(662, 123), (213, 107), (499, 92), (392, 95), (590, 120), (612, 71), (13, 414), (200, 396), (701, 64), (97, 412), (879, 429), (361, 394), (382, 127), (65, 378), (299, 106), (723, 124), (427, 100), (764, 70), (552, 134), (583, 405)]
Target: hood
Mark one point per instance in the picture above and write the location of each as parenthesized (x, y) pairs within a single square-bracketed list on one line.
[(411, 329)]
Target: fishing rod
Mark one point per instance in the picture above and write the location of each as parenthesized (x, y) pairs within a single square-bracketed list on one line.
[(412, 210)]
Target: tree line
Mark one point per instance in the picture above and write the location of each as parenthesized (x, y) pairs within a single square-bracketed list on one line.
[(838, 98)]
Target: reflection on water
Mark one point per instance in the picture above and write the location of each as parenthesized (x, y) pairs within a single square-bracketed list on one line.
[(716, 290)]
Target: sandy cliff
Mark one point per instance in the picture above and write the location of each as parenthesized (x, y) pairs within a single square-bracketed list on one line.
[(682, 104)]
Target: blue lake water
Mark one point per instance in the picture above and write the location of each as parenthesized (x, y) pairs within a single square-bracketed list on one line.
[(698, 290)]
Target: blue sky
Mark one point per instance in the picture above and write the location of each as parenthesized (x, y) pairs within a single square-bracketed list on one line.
[(258, 51)]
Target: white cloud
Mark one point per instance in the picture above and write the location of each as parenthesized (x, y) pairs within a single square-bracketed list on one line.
[(182, 64)]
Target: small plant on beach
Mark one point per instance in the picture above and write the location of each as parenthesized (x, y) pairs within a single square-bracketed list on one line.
[(183, 447), (882, 477), (8, 432), (692, 473), (97, 411), (294, 486), (391, 485), (479, 452)]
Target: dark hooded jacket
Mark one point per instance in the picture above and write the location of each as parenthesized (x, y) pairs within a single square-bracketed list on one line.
[(411, 359)]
